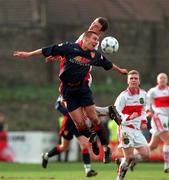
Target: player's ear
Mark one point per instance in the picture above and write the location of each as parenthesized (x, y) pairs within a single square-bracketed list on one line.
[(139, 80), (127, 79)]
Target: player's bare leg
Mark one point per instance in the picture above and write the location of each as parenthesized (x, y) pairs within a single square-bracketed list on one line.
[(99, 128), (55, 151), (153, 144), (140, 154), (129, 158), (155, 141), (164, 136), (79, 119), (125, 162), (86, 157)]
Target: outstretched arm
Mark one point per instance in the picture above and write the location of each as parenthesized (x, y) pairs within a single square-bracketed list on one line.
[(27, 54), (120, 70), (107, 64), (52, 50)]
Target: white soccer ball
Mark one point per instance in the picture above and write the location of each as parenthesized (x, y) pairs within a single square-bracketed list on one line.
[(109, 45)]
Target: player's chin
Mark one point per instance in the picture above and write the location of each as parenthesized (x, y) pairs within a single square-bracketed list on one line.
[(94, 46), (91, 48)]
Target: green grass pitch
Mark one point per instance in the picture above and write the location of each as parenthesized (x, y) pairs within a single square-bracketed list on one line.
[(75, 171)]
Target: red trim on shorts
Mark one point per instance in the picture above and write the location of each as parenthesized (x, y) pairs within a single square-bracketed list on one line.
[(158, 123), (84, 151)]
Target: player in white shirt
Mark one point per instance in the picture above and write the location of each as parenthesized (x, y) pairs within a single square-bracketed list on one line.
[(130, 104), (158, 111)]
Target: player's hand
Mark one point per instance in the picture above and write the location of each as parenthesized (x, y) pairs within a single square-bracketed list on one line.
[(21, 54), (149, 114), (143, 126), (120, 70), (124, 71), (134, 115)]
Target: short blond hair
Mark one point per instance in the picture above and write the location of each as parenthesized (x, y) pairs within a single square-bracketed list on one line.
[(162, 74), (133, 72), (89, 33)]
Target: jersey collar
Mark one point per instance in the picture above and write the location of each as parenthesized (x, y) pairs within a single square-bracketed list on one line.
[(133, 91)]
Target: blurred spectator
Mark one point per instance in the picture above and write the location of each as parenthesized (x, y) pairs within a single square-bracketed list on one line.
[(6, 153), (2, 121), (158, 111)]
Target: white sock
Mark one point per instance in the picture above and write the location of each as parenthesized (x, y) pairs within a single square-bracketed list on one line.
[(124, 163), (122, 168), (166, 156), (46, 156), (105, 147), (87, 167)]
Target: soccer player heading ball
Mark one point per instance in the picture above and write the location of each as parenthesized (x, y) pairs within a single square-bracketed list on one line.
[(78, 58)]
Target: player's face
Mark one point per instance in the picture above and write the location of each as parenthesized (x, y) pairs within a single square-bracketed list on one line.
[(91, 42), (2, 118), (133, 81), (162, 79), (96, 27)]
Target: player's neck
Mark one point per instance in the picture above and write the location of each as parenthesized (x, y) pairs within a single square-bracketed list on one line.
[(134, 90), (162, 86), (85, 47)]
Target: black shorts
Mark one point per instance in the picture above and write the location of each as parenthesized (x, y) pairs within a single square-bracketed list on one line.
[(68, 128), (77, 96)]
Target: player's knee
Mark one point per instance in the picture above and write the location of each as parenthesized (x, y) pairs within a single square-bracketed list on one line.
[(166, 141), (83, 142), (84, 146), (152, 147), (64, 147), (145, 155), (81, 126), (96, 121)]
